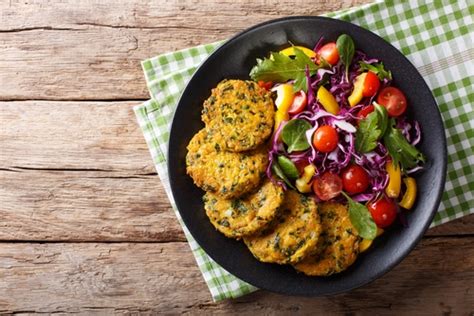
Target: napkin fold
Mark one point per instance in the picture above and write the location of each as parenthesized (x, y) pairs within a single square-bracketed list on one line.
[(436, 36)]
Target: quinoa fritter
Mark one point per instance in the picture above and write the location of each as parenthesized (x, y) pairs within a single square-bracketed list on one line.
[(227, 174), (339, 243), (242, 112), (244, 216), (292, 236)]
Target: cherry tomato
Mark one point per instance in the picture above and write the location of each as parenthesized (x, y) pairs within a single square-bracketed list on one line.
[(327, 186), (355, 179), (330, 53), (383, 211), (265, 84), (371, 84), (393, 100), (365, 111), (299, 102), (325, 138)]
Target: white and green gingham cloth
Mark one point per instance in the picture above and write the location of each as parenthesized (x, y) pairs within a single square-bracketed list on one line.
[(437, 37)]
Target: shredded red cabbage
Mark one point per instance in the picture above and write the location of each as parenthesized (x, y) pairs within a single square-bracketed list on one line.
[(345, 122)]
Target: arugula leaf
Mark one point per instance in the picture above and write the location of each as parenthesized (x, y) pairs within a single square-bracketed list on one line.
[(288, 167), (346, 48), (361, 219), (294, 135), (277, 170), (281, 68), (371, 129), (399, 148), (378, 69), (382, 117)]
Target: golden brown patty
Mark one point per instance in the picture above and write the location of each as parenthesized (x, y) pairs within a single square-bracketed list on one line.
[(244, 216), (338, 245), (242, 112), (292, 236), (226, 174)]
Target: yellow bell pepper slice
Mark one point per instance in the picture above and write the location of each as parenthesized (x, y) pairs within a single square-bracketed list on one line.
[(303, 183), (280, 117), (410, 194), (285, 96), (366, 243), (327, 100), (356, 94), (394, 180), (290, 51)]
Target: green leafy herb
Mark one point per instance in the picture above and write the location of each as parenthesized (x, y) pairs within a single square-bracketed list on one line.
[(378, 69), (281, 68), (371, 129), (279, 173), (382, 116), (399, 148), (288, 167), (361, 219), (294, 135), (346, 48)]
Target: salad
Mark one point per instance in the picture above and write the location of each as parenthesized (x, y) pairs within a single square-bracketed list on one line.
[(341, 133)]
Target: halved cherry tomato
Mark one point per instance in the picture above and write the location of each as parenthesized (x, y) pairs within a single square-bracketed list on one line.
[(330, 53), (267, 85), (299, 102), (371, 84), (327, 186), (365, 111), (383, 211), (393, 100), (355, 179), (325, 138)]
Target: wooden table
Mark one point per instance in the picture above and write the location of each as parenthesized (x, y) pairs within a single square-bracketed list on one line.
[(85, 225)]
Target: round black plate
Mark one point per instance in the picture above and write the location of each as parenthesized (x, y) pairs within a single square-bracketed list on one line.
[(234, 59)]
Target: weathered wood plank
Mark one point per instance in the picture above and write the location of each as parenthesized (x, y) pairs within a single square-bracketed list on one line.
[(72, 135), (84, 206), (105, 278), (69, 50), (17, 15), (460, 226)]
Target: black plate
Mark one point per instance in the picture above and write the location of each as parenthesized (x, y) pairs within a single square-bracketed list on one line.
[(234, 59)]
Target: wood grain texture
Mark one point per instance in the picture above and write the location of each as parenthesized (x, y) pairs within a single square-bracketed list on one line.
[(151, 278), (84, 206), (82, 50), (101, 136)]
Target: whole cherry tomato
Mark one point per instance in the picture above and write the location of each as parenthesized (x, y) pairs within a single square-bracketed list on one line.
[(325, 138), (355, 179), (383, 211), (330, 53), (371, 84)]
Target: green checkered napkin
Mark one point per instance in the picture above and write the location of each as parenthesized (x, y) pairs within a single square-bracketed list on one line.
[(437, 37)]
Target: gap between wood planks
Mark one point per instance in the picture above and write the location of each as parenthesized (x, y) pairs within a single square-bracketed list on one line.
[(426, 237)]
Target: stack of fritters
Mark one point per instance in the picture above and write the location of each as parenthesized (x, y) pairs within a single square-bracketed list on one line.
[(228, 159)]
